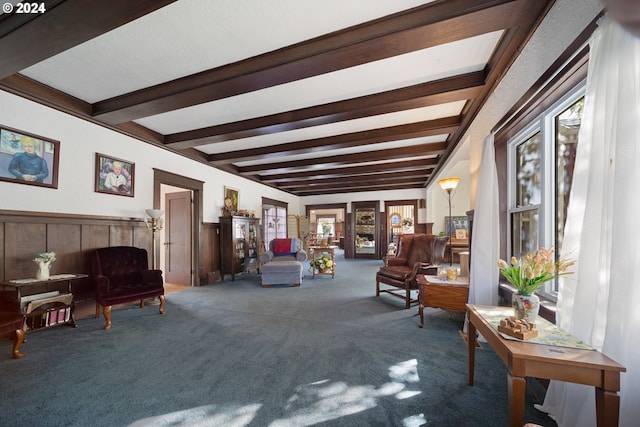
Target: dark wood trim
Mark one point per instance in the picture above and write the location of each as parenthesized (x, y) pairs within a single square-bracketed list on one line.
[(29, 39), (355, 139), (513, 41), (163, 177), (73, 237), (574, 60), (62, 218), (440, 91), (419, 28)]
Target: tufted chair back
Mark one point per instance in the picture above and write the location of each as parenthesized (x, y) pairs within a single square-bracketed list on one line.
[(121, 264)]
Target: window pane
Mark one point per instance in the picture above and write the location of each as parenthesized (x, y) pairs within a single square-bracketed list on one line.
[(524, 232), (567, 126), (528, 158)]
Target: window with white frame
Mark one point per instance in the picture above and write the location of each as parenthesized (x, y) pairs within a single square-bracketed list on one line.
[(540, 169), (274, 219)]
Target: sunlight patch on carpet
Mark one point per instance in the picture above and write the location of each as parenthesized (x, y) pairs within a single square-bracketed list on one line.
[(209, 415)]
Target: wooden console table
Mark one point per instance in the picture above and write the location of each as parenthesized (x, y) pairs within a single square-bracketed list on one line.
[(60, 282), (525, 359), (447, 295), (316, 251)]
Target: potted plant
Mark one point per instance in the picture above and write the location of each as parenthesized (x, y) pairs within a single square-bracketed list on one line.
[(323, 263), (527, 275)]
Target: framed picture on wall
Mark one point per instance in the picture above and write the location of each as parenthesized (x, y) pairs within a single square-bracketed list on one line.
[(451, 224), (230, 200), (26, 158), (114, 176)]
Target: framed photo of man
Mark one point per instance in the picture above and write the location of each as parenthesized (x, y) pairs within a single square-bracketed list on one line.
[(26, 158), (114, 176)]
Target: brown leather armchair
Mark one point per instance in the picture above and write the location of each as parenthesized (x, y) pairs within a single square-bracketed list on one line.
[(12, 321), (416, 254)]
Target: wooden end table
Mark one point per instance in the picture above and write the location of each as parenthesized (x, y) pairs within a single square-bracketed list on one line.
[(525, 359), (451, 295), (59, 282)]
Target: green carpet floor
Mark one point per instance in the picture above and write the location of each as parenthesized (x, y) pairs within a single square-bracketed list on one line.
[(327, 353)]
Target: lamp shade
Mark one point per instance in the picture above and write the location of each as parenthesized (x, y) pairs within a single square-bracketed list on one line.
[(449, 183), (155, 213)]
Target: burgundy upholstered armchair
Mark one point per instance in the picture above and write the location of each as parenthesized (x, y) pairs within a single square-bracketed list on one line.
[(11, 321), (121, 274), (416, 254)]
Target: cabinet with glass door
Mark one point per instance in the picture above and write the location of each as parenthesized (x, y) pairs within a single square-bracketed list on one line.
[(239, 245)]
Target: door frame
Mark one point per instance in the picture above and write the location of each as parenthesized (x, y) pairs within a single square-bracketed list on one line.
[(163, 177), (375, 205)]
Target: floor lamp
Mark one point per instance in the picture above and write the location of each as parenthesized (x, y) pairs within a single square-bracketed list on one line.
[(448, 185), (154, 222)]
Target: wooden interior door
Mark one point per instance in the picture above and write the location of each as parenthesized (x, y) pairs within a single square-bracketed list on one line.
[(178, 238)]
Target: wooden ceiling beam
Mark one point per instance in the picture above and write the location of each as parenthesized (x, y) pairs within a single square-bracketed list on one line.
[(424, 129), (349, 159), (423, 27), (30, 38), (337, 190), (352, 170), (380, 177), (442, 91)]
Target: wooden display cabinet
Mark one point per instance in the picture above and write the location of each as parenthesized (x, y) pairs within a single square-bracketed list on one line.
[(240, 244)]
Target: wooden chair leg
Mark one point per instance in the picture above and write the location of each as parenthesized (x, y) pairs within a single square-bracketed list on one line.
[(161, 304), (141, 303), (377, 288), (97, 310), (107, 317), (17, 342)]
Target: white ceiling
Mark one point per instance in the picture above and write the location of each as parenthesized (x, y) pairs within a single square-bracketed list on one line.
[(193, 36)]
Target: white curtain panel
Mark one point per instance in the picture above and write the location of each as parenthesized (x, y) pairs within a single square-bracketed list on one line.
[(485, 236), (600, 303)]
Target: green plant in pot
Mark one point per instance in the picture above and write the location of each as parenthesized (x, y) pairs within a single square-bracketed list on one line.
[(527, 275)]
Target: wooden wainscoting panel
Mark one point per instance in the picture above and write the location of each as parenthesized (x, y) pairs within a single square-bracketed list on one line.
[(121, 235), (22, 243), (142, 238), (2, 256), (66, 241)]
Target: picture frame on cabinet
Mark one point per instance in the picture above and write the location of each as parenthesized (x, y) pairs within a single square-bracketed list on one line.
[(27, 158), (114, 176)]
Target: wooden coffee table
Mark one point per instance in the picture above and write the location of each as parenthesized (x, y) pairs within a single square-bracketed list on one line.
[(525, 359), (447, 295)]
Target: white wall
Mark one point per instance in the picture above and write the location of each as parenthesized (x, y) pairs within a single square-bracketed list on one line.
[(81, 140), (562, 25)]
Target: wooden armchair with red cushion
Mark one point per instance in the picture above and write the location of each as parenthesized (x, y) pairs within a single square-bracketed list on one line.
[(12, 321), (121, 274), (416, 254)]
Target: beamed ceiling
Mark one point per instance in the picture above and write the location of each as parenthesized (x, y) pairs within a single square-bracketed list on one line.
[(311, 97)]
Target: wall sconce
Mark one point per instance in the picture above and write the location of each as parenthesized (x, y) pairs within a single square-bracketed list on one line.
[(155, 223), (448, 185)]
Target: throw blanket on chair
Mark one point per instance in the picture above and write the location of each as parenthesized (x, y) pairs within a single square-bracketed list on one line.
[(283, 246)]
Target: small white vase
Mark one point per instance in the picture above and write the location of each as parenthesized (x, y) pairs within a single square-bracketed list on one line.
[(525, 307), (43, 270)]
